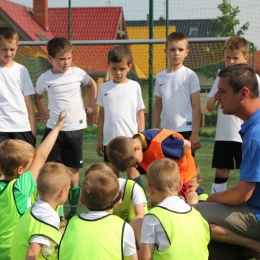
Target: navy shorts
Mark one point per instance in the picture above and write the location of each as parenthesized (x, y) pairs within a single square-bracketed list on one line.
[(186, 135), (25, 136), (227, 155), (67, 148)]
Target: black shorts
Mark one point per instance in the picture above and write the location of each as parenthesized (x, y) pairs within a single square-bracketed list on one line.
[(227, 155), (105, 154), (67, 148), (25, 136)]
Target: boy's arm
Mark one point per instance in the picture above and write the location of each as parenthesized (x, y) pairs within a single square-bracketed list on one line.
[(157, 110), (140, 120), (186, 147), (146, 251), (92, 96), (33, 251), (40, 107), (196, 114), (139, 211), (45, 147), (211, 103), (31, 113), (101, 117)]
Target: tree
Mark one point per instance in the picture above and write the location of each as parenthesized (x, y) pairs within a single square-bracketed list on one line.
[(224, 26)]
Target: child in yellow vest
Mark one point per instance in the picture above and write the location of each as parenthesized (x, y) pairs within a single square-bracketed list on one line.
[(134, 201), (37, 232), (172, 229), (20, 166), (99, 234)]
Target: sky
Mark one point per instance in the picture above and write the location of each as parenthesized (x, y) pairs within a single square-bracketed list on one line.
[(178, 9)]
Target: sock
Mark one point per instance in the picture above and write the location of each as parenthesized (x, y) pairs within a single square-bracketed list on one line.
[(139, 181), (74, 195), (220, 184), (61, 212)]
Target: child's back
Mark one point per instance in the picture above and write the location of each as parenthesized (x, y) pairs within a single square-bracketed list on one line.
[(100, 234)]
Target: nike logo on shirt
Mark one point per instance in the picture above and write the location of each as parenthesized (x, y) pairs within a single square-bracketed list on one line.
[(106, 94)]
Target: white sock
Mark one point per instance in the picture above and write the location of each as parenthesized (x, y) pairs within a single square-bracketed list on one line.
[(217, 187)]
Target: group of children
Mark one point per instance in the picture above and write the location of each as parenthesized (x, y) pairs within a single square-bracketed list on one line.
[(117, 223)]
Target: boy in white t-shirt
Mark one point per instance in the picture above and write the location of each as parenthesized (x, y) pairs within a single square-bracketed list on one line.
[(134, 200), (172, 229), (37, 231), (177, 93), (228, 142), (17, 115), (98, 234), (121, 106), (63, 86)]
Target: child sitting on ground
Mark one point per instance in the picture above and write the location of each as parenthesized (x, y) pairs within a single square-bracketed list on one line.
[(172, 229), (100, 235), (37, 231), (195, 193), (20, 166), (134, 201), (149, 145)]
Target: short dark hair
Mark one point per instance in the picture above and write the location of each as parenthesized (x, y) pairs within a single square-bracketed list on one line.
[(7, 33), (58, 44), (176, 36), (241, 75), (119, 53), (237, 43)]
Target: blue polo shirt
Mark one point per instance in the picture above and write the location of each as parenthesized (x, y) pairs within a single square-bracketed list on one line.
[(250, 165)]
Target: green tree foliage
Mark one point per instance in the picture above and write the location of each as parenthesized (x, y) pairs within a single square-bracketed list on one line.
[(224, 26)]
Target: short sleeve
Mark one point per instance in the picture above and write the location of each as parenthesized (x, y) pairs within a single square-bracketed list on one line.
[(129, 247), (138, 195), (194, 84), (40, 86), (26, 83), (99, 97), (139, 98), (214, 88)]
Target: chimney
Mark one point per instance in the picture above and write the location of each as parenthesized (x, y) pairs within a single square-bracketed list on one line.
[(40, 13)]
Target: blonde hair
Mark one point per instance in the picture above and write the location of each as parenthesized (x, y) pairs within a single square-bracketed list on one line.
[(52, 178), (58, 44), (99, 189), (97, 166), (120, 152), (8, 34), (237, 43), (163, 175), (13, 154)]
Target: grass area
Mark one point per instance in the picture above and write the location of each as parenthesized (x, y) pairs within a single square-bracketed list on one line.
[(203, 158)]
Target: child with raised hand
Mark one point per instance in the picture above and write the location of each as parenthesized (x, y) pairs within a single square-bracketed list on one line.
[(100, 234), (17, 115), (134, 200), (177, 93), (172, 229), (121, 106), (152, 144), (37, 231), (63, 86), (20, 166), (227, 154)]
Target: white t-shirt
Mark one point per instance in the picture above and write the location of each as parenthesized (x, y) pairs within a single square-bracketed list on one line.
[(129, 247), (152, 230), (15, 84), (45, 213), (175, 90), (228, 126), (137, 196), (64, 92), (121, 102)]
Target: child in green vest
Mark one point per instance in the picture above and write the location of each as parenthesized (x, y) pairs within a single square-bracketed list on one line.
[(37, 232), (98, 234), (134, 201), (20, 166), (172, 229)]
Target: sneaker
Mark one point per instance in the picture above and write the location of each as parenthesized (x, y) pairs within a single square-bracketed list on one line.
[(63, 222)]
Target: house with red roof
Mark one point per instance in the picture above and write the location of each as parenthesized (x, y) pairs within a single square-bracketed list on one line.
[(41, 23)]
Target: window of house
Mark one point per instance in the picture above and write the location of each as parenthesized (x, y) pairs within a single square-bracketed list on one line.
[(193, 31)]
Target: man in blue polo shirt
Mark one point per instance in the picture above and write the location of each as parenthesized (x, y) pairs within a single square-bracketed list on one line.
[(234, 214)]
